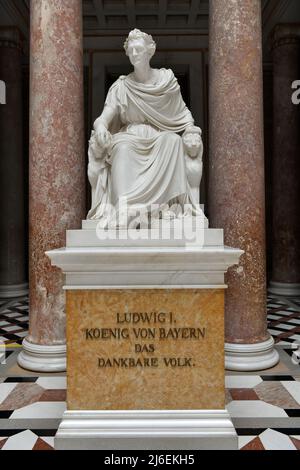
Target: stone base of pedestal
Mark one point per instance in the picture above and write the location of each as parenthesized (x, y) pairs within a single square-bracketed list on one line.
[(42, 358), (251, 357), (13, 291), (145, 331), (146, 430), (287, 289)]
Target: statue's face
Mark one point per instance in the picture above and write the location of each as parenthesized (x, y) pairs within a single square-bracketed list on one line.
[(138, 52)]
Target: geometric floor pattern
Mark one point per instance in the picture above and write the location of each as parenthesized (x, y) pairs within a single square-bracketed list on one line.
[(284, 320), (264, 406), (13, 321)]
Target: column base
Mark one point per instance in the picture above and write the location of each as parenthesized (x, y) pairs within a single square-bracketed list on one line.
[(286, 289), (146, 430), (12, 291), (251, 357), (42, 358)]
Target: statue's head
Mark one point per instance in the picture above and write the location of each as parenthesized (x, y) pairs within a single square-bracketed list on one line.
[(139, 46)]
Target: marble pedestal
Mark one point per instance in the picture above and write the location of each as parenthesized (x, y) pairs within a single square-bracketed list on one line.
[(145, 342)]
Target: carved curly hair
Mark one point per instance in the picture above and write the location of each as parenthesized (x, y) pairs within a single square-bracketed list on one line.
[(147, 38)]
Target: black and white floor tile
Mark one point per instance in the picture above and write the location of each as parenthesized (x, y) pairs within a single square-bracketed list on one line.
[(264, 406), (284, 320), (13, 321)]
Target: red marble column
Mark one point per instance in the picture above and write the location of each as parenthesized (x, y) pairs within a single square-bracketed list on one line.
[(13, 272), (57, 169), (286, 163), (236, 194)]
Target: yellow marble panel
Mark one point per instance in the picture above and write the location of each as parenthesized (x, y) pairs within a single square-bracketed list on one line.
[(145, 349)]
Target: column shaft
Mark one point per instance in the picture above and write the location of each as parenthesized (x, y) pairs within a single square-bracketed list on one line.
[(57, 169), (237, 195), (286, 163)]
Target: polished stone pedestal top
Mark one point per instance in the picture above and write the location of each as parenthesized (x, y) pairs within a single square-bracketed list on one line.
[(148, 260)]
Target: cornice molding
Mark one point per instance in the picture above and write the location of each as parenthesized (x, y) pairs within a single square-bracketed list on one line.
[(285, 41), (9, 43), (12, 37), (284, 34)]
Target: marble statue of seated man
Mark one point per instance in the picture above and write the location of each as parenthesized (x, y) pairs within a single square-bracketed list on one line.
[(145, 152)]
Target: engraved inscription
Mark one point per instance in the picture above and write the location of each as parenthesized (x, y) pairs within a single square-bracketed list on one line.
[(144, 332)]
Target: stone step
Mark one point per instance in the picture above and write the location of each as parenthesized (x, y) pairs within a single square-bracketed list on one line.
[(144, 238)]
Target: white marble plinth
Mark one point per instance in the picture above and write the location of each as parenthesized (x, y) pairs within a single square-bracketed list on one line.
[(146, 430), (90, 262)]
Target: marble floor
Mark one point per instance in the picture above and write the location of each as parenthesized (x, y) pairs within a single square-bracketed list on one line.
[(264, 406)]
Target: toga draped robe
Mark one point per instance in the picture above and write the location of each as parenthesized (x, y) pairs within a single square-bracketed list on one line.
[(145, 162)]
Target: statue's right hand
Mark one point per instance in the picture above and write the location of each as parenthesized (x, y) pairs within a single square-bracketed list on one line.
[(103, 136)]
